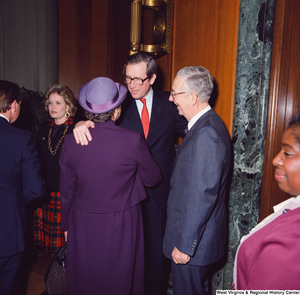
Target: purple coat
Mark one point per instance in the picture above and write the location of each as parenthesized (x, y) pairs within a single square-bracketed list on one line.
[(101, 186), (269, 259)]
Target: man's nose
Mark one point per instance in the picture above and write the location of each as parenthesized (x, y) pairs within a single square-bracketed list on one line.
[(132, 84)]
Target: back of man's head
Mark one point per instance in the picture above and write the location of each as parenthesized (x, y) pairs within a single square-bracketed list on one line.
[(9, 92)]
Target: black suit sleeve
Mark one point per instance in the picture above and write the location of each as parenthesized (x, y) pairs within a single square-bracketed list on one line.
[(33, 184)]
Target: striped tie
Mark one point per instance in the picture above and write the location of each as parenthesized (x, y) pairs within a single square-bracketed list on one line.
[(145, 117)]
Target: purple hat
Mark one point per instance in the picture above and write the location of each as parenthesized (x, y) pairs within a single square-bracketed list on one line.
[(101, 95)]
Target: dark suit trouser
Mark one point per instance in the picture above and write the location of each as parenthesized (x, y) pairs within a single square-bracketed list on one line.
[(157, 266), (190, 279), (10, 274)]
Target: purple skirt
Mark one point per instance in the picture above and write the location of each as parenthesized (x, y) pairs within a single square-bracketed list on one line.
[(105, 253)]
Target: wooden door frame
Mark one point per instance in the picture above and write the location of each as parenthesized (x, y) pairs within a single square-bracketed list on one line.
[(282, 105)]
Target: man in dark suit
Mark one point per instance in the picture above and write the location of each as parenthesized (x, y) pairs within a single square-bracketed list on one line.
[(163, 123), (195, 236), (20, 183)]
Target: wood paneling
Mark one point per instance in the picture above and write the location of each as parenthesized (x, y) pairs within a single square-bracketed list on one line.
[(284, 94), (84, 41), (120, 35), (205, 34), (93, 40)]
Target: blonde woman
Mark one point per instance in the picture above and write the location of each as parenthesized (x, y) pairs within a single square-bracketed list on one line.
[(60, 103)]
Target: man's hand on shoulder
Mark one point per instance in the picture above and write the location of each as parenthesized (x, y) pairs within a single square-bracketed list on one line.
[(81, 132), (179, 257)]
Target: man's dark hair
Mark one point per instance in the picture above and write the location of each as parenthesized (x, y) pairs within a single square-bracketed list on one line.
[(9, 92), (141, 57)]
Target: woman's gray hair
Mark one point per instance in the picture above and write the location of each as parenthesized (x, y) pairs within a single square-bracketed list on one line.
[(198, 80), (99, 118)]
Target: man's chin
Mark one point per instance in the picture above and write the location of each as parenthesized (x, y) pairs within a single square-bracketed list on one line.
[(135, 95)]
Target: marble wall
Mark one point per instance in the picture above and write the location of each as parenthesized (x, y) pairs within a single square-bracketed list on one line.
[(249, 124)]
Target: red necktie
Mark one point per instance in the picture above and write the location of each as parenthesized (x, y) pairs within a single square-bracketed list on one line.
[(145, 117)]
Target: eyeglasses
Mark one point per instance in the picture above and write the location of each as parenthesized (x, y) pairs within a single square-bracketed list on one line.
[(174, 94), (137, 81)]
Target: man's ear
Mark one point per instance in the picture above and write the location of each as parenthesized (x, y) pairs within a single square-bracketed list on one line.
[(152, 80), (13, 106), (194, 98)]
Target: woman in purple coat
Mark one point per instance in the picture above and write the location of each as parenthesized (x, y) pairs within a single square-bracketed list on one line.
[(101, 186)]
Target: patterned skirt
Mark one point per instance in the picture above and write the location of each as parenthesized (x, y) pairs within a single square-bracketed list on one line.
[(47, 225)]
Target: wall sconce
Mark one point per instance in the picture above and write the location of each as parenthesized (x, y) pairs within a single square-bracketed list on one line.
[(150, 26)]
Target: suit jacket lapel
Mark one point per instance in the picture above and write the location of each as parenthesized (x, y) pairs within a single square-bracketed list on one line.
[(183, 143), (157, 108), (196, 126), (132, 115), (133, 118)]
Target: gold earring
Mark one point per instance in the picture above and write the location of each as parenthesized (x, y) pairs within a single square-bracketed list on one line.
[(68, 114)]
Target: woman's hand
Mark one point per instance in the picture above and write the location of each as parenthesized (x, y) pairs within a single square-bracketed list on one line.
[(66, 235)]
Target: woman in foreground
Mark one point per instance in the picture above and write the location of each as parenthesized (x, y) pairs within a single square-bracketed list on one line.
[(268, 258)]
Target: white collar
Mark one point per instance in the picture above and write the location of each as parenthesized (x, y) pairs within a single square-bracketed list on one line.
[(149, 100), (197, 116), (279, 206), (4, 117)]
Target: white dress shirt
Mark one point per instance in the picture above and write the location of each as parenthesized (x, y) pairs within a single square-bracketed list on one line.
[(149, 100), (196, 117)]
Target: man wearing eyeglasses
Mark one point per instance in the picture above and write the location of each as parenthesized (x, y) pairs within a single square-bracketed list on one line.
[(196, 230), (149, 112)]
